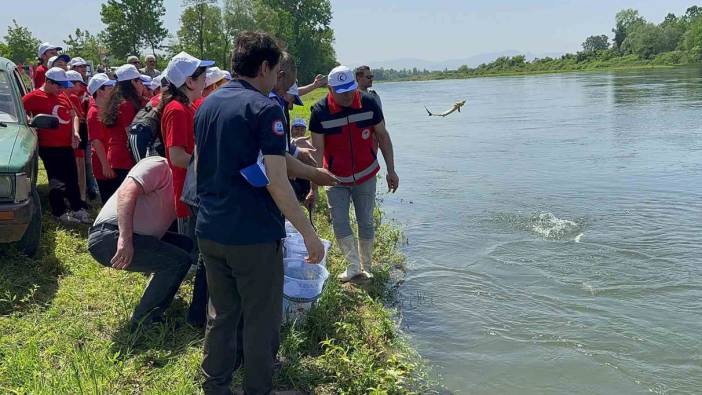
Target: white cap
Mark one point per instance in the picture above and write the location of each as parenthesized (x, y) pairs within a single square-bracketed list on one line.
[(53, 59), (127, 72), (342, 79), (183, 66), (77, 61), (214, 75), (58, 74), (295, 92), (156, 82), (74, 76), (98, 81), (299, 122), (43, 47)]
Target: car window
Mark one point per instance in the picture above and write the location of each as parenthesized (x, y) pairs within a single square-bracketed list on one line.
[(20, 83), (8, 111)]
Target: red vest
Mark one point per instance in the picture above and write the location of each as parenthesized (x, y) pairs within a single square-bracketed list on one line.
[(350, 152)]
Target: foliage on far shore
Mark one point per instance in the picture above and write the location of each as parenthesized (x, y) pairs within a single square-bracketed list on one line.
[(676, 41)]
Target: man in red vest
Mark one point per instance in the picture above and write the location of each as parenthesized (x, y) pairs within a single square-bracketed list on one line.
[(344, 125)]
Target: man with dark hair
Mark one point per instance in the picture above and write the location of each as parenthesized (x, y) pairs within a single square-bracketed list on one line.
[(364, 78), (243, 190)]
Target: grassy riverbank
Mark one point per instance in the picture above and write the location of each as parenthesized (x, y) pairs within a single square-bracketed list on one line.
[(64, 326)]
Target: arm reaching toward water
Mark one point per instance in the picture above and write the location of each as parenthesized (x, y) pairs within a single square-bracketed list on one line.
[(385, 145)]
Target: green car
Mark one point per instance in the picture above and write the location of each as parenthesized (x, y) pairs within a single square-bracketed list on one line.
[(20, 208)]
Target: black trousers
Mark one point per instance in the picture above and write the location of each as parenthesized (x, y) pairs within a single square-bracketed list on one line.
[(244, 283), (110, 186), (60, 165)]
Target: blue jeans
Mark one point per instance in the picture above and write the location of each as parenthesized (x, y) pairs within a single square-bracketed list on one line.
[(363, 197)]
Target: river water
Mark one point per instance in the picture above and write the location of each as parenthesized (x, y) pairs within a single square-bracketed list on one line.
[(554, 230)]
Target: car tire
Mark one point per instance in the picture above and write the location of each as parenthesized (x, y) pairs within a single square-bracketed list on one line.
[(29, 243)]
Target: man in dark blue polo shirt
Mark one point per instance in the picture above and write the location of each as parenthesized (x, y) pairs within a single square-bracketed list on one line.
[(240, 222)]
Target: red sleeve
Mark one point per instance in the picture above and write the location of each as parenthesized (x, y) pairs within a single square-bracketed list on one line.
[(175, 126), (39, 77), (95, 130), (75, 103), (29, 103)]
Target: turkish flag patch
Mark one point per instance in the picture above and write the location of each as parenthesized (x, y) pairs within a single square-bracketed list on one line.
[(278, 127)]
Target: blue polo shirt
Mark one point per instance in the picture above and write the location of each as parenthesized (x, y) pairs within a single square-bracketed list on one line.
[(231, 127)]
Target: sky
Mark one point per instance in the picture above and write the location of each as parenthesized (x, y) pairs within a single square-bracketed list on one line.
[(375, 30)]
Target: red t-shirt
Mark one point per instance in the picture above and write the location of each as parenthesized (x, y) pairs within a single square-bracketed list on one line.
[(198, 102), (96, 131), (178, 128), (118, 146), (39, 102), (39, 76), (77, 102)]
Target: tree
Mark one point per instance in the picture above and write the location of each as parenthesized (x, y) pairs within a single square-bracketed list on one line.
[(626, 20), (693, 12), (85, 45), (132, 25), (644, 40), (596, 43), (239, 15), (692, 41), (201, 31), (21, 45), (673, 30), (305, 26)]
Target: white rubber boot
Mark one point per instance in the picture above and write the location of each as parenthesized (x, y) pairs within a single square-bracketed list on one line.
[(365, 250), (348, 248)]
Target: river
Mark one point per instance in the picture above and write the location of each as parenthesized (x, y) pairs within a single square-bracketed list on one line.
[(553, 230)]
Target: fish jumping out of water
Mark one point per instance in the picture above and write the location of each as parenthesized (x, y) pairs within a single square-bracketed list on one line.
[(456, 107)]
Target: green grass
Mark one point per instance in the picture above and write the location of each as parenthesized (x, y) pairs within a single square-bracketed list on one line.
[(64, 326)]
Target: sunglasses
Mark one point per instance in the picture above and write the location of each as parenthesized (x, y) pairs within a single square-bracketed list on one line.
[(370, 77)]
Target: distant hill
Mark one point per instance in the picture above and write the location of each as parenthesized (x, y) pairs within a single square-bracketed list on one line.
[(452, 64)]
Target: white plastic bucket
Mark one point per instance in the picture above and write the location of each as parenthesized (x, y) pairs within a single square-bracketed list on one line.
[(303, 281), (294, 310), (294, 246)]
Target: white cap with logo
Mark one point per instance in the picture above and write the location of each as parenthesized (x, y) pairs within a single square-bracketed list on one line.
[(58, 75), (214, 74), (77, 62), (43, 47), (294, 91), (53, 59), (127, 72), (342, 79), (183, 66), (98, 81), (74, 76)]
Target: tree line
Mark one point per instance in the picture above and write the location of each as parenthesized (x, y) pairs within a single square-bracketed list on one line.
[(207, 30), (676, 40)]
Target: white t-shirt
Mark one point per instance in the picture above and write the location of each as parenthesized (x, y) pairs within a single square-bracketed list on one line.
[(154, 212)]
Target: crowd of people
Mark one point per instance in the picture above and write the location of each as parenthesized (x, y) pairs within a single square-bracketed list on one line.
[(232, 167)]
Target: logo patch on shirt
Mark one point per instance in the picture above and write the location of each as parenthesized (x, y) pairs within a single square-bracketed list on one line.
[(278, 127), (365, 134)]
